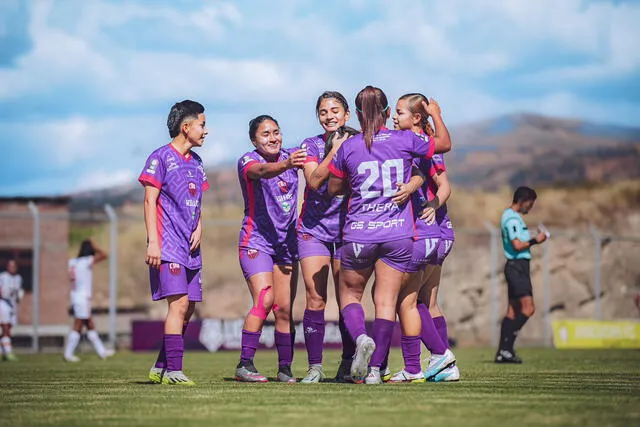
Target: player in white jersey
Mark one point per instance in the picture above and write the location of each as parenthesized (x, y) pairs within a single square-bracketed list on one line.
[(10, 295), (81, 277)]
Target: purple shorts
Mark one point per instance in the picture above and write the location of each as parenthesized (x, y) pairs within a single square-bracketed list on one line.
[(309, 246), (424, 251), (358, 256), (444, 248), (254, 261), (175, 279)]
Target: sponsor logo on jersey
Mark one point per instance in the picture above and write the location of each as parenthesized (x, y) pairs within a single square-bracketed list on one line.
[(190, 174), (171, 163), (252, 253), (192, 188), (245, 160), (152, 166), (192, 203), (174, 268), (286, 206), (283, 186)]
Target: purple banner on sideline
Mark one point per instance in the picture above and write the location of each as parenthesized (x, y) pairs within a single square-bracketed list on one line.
[(220, 334)]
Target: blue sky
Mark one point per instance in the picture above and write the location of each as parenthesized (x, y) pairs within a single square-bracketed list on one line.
[(85, 86)]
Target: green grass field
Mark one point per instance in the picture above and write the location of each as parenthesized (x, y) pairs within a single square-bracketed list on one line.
[(552, 388)]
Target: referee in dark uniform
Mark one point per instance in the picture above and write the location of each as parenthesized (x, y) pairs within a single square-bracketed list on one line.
[(516, 242)]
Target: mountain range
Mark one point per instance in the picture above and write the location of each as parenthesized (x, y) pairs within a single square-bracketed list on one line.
[(512, 150)]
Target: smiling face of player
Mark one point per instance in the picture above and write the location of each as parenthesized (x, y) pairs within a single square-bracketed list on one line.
[(332, 114), (196, 130), (268, 139), (404, 119)]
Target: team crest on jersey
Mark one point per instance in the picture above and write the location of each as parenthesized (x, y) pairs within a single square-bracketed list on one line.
[(252, 253), (283, 186), (174, 268), (306, 236), (192, 188)]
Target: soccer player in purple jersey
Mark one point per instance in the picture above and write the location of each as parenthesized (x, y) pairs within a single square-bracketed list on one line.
[(267, 244), (378, 234), (319, 234), (412, 113), (174, 180)]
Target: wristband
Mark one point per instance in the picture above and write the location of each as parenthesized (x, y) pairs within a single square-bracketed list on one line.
[(533, 242)]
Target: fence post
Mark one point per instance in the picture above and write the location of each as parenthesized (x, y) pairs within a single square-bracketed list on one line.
[(546, 277), (597, 272), (493, 244), (35, 316), (113, 272)]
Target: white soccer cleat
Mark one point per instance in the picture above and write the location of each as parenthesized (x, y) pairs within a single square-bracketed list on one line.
[(373, 377), (386, 374), (107, 353), (405, 377), (155, 375), (315, 374), (452, 373), (438, 362), (71, 359), (365, 346)]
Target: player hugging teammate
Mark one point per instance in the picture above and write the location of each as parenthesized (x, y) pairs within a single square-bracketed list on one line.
[(373, 202), (358, 217)]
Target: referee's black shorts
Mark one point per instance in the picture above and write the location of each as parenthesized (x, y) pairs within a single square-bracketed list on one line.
[(518, 276)]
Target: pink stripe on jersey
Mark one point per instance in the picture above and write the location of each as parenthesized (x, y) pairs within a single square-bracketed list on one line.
[(336, 172), (148, 179), (159, 225), (245, 169), (205, 186), (311, 159)]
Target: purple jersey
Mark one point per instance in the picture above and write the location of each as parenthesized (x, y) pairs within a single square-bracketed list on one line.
[(373, 176), (270, 206), (181, 181), (431, 168), (322, 216)]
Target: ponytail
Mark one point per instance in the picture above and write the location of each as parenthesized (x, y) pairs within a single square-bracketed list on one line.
[(372, 106)]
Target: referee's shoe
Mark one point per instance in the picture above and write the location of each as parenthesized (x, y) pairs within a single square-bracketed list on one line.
[(506, 356)]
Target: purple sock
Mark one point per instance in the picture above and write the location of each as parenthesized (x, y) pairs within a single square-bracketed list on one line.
[(441, 326), (284, 345), (174, 347), (354, 320), (429, 335), (314, 326), (250, 342), (411, 354), (348, 346), (161, 361), (382, 334), (385, 361)]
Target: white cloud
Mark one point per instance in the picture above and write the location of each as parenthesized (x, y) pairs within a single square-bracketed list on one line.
[(98, 179)]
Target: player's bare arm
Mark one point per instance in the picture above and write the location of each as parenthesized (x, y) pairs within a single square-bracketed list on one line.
[(153, 256)]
